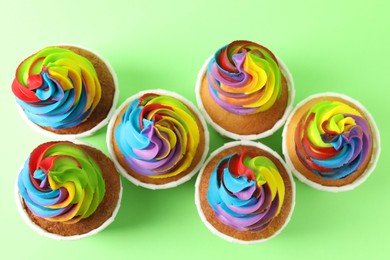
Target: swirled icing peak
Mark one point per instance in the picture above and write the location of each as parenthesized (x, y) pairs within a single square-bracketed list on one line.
[(246, 191), (333, 140), (244, 78), (158, 136), (60, 182), (57, 88)]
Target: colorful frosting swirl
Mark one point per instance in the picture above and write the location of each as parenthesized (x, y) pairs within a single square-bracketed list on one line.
[(333, 140), (60, 182), (244, 78), (246, 191), (158, 136), (57, 88)]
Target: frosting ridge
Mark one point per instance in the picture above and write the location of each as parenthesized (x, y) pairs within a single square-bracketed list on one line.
[(246, 191), (57, 88), (158, 136), (244, 78), (333, 140), (60, 182)]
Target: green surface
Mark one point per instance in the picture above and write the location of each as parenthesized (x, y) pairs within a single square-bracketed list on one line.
[(338, 46)]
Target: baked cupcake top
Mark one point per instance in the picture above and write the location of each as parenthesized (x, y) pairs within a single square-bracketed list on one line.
[(333, 139), (246, 191), (244, 78), (158, 136), (60, 182), (57, 88)]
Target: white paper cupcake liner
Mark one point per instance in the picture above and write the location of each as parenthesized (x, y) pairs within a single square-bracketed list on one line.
[(124, 172), (89, 132), (224, 132), (197, 194), (41, 231), (375, 148)]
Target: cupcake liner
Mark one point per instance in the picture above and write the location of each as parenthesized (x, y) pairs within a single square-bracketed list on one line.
[(89, 132), (124, 172), (376, 148), (235, 136), (41, 231), (197, 194)]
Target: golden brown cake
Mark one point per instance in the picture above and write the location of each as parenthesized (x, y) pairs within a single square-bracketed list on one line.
[(244, 193), (157, 139), (331, 142), (68, 191), (65, 91), (244, 91)]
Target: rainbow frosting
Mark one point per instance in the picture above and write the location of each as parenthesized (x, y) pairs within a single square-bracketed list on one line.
[(244, 78), (60, 182), (246, 191), (158, 136), (333, 140), (57, 88)]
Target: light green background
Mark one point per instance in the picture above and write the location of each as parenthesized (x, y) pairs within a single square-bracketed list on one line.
[(339, 46)]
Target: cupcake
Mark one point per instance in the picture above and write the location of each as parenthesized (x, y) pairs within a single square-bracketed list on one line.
[(68, 191), (157, 139), (247, 84), (244, 193), (65, 91), (331, 142)]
